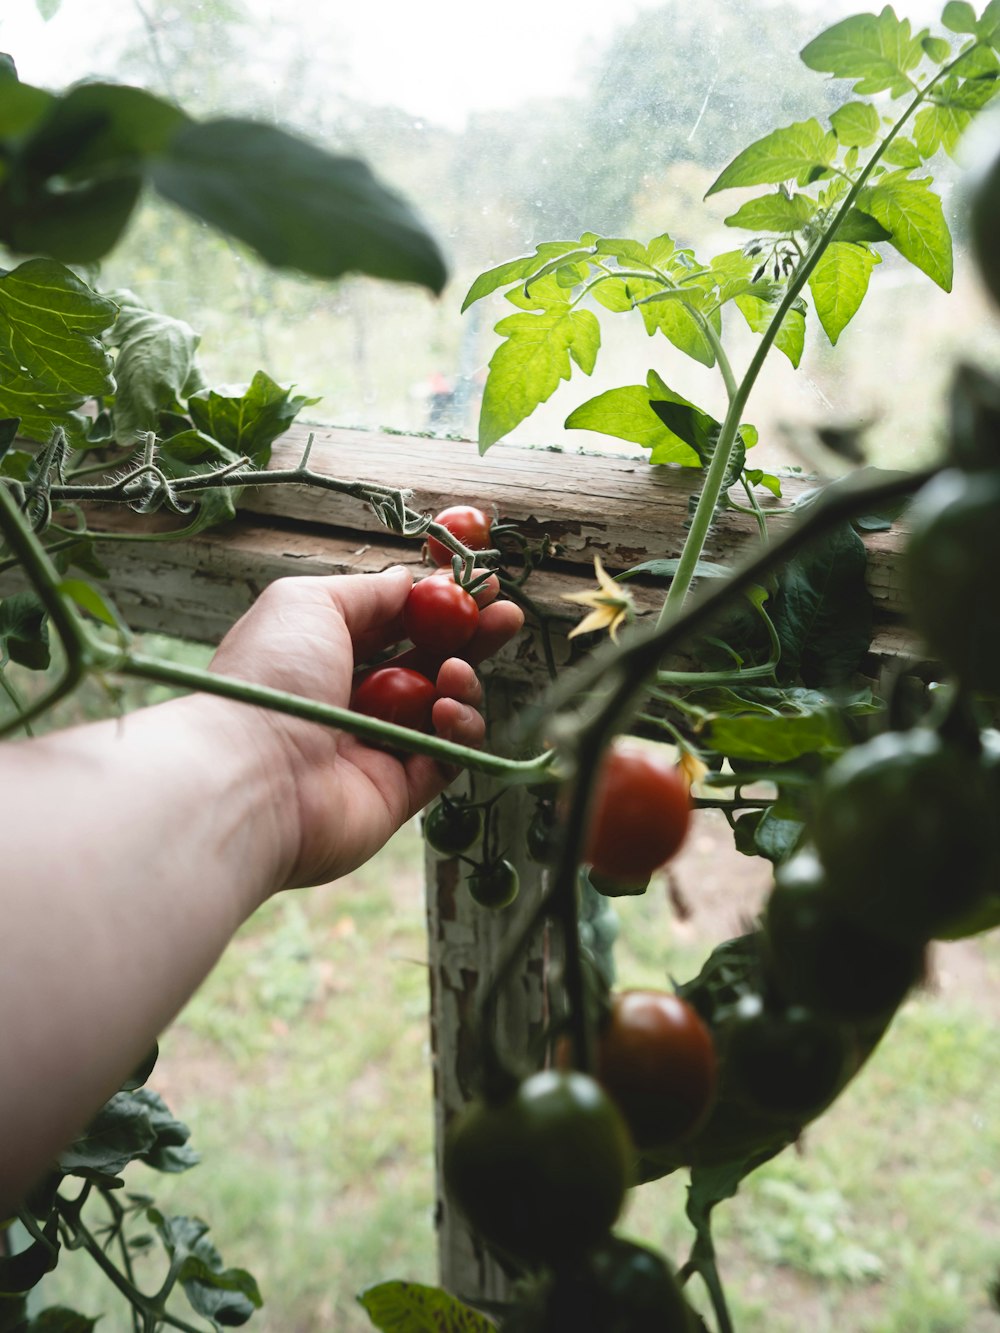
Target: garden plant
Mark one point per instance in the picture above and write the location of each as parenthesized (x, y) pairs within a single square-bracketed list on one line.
[(881, 815)]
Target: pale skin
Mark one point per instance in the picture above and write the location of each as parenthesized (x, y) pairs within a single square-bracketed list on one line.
[(135, 848)]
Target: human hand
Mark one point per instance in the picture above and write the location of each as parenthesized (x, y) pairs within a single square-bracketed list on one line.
[(339, 798)]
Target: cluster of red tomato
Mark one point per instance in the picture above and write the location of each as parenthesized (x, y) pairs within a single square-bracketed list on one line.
[(439, 618)]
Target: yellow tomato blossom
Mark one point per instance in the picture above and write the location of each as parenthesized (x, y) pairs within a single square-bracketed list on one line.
[(611, 605)]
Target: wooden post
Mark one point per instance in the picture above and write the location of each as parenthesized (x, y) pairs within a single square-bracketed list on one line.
[(464, 943)]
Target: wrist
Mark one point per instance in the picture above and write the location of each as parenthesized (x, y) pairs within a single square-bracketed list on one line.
[(253, 773)]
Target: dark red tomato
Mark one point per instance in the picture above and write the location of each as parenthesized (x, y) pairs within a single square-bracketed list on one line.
[(396, 694), (469, 524), (641, 813), (656, 1059), (439, 616)]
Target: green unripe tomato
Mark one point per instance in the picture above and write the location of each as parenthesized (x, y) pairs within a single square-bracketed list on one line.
[(825, 961), (452, 827), (542, 835), (789, 1063), (618, 1287), (541, 1175), (950, 572), (495, 885), (906, 829)]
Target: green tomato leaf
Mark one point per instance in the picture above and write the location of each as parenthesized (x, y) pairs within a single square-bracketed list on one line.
[(90, 600), (938, 127), (295, 204), (822, 611), (247, 420), (936, 49), (409, 1307), (903, 153), (759, 313), (798, 152), (838, 284), (959, 16), (9, 427), (669, 312), (51, 355), (528, 366), (856, 124), (514, 270), (24, 633), (24, 1270), (774, 212), (878, 51), (156, 358), (756, 477), (614, 294), (224, 1296), (777, 740), (169, 1151), (120, 1132), (859, 226), (626, 414), (59, 1319), (701, 432), (914, 216)]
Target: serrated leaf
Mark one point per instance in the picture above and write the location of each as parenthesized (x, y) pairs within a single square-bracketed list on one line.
[(529, 365), (60, 1319), (516, 269), (914, 216), (51, 356), (295, 204), (861, 226), (120, 1132), (903, 152), (24, 633), (247, 420), (791, 337), (614, 294), (876, 50), (626, 414), (796, 152), (169, 1151), (156, 355), (410, 1307), (756, 477), (701, 431), (225, 1296), (774, 212), (670, 314), (936, 49), (940, 127), (90, 600), (777, 740), (822, 611), (838, 284), (959, 16), (988, 27), (856, 124)]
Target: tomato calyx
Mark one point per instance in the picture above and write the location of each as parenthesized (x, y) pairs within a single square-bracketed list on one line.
[(452, 826)]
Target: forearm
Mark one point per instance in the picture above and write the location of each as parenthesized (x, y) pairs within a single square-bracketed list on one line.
[(107, 936)]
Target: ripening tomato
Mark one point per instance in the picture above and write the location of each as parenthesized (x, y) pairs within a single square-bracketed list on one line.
[(439, 616), (656, 1059), (396, 694), (542, 1174), (469, 524), (642, 809)]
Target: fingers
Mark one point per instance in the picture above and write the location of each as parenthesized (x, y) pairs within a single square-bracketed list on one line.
[(498, 623), (372, 607)]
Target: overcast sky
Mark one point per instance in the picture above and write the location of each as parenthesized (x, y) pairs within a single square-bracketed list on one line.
[(445, 57)]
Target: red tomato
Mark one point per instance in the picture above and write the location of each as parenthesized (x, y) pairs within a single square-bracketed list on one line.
[(470, 526), (439, 616), (641, 813), (656, 1060), (396, 694)]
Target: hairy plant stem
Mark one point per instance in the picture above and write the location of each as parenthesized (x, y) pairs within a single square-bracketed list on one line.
[(719, 466), (88, 654)]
